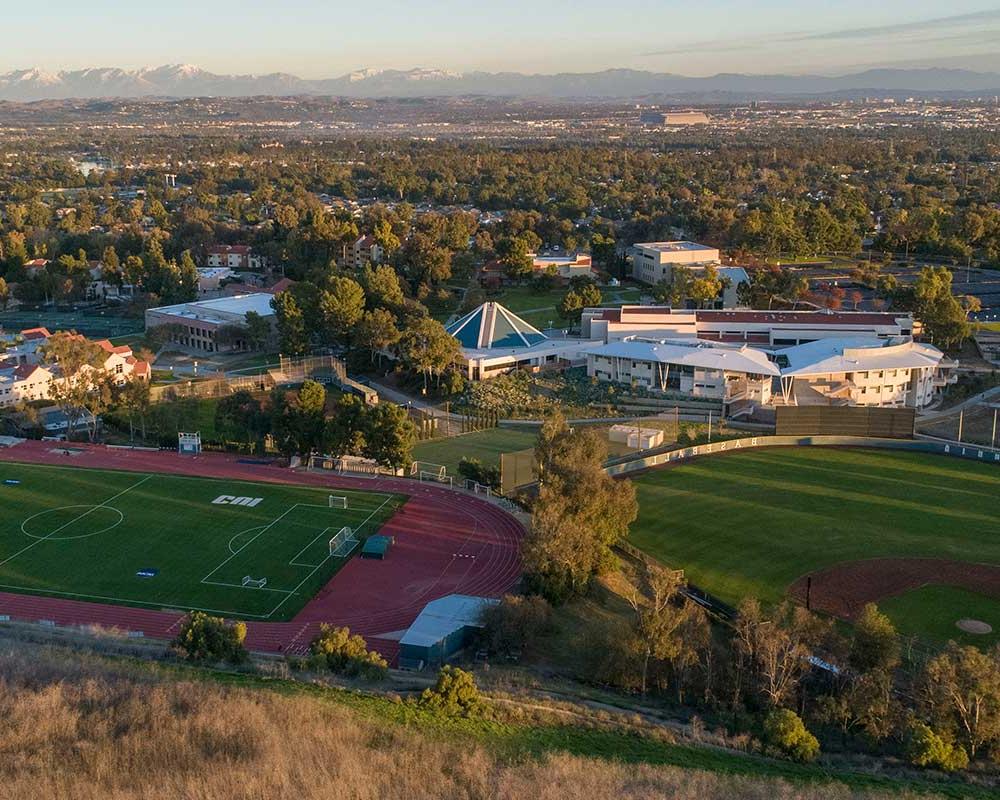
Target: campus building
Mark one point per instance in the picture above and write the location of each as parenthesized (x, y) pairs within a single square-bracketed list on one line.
[(699, 369), (233, 256), (653, 262), (196, 326), (859, 371), (766, 329), (494, 340), (863, 371), (565, 265), (24, 377)]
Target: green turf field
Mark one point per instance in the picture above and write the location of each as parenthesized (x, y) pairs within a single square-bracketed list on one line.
[(932, 611), (751, 523), (87, 534), (485, 445)]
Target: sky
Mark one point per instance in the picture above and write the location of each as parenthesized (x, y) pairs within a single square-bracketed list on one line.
[(327, 38)]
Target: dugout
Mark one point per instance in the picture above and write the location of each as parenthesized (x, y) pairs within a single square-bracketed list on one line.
[(377, 547), (444, 627)]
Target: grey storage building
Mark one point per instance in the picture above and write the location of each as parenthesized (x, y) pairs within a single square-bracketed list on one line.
[(444, 627)]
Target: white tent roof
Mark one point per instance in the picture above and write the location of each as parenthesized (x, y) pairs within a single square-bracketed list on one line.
[(704, 355), (853, 354)]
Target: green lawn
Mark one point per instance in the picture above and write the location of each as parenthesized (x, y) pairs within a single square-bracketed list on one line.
[(751, 523), (538, 308), (932, 611), (86, 534), (485, 445)]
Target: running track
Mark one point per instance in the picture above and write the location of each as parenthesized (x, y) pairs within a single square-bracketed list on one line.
[(446, 542)]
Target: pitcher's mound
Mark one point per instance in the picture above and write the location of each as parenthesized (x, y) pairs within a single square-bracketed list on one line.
[(974, 626)]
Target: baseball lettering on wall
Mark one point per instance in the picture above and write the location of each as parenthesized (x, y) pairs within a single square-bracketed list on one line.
[(232, 500)]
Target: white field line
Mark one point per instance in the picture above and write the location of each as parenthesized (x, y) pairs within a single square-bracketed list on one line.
[(34, 590), (250, 588), (47, 536), (249, 541), (295, 559), (321, 563)]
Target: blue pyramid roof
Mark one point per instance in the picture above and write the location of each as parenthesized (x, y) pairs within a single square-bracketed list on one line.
[(491, 326)]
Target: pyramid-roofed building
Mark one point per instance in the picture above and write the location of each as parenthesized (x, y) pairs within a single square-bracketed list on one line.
[(495, 340), (493, 326)]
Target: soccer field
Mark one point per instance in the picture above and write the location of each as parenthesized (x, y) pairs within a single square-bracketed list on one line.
[(243, 549), (750, 523)]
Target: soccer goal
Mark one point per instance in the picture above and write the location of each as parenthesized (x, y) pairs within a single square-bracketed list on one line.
[(343, 543), (254, 583), (338, 501), (437, 477), (420, 467), (478, 488)]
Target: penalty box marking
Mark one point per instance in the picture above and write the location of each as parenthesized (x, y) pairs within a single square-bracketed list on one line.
[(321, 563)]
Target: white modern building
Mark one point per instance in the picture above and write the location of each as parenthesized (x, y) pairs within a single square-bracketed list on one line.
[(860, 371), (196, 325), (494, 340), (699, 369), (863, 371)]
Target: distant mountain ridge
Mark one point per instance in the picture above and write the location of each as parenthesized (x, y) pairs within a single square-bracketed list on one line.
[(184, 80)]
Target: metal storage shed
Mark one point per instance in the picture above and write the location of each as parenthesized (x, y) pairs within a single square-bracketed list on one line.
[(443, 628)]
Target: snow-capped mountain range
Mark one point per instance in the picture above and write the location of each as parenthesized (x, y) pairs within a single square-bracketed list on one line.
[(185, 80)]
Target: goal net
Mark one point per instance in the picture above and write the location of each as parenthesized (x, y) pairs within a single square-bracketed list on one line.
[(254, 583), (478, 488), (420, 467), (338, 501), (343, 542), (436, 477)]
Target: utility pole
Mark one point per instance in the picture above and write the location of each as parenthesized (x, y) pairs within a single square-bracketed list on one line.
[(961, 419)]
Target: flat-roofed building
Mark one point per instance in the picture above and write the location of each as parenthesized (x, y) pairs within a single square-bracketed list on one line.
[(677, 119), (760, 328), (197, 325), (653, 262), (565, 265)]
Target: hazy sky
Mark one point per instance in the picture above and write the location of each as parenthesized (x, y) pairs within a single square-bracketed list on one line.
[(314, 38)]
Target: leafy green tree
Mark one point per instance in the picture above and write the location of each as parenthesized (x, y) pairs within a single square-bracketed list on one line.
[(579, 514), (188, 278), (206, 638), (514, 255), (427, 348), (341, 651), (258, 330), (298, 419), (959, 692), (875, 643), (290, 323), (377, 332), (455, 694), (391, 436), (944, 319), (241, 417), (382, 288), (4, 295), (785, 731), (340, 308), (925, 748)]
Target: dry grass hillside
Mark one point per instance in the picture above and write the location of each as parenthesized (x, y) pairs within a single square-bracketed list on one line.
[(88, 728)]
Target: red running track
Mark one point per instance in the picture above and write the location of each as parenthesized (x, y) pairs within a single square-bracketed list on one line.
[(446, 542)]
